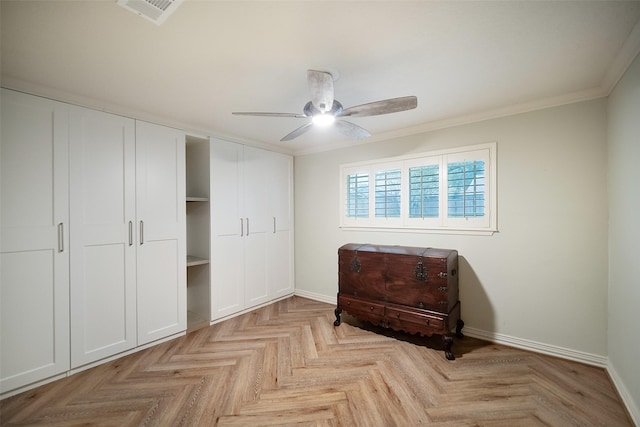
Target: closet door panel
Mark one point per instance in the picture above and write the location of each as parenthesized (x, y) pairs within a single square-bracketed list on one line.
[(103, 267), (228, 228), (34, 258), (161, 231), (255, 195), (280, 183), (255, 268), (104, 303), (27, 166), (161, 291), (226, 188), (27, 310), (280, 261), (255, 199), (227, 276), (160, 178), (252, 236)]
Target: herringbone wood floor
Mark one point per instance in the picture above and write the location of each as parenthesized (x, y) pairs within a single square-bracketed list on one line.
[(286, 364)]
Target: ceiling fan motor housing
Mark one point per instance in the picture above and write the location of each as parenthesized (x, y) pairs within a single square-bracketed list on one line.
[(310, 110), (321, 90)]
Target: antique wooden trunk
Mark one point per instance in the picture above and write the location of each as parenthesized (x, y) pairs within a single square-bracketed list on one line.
[(403, 288)]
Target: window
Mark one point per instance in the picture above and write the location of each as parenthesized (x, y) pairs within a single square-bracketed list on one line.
[(357, 195), (465, 189), (424, 191), (387, 193), (446, 191)]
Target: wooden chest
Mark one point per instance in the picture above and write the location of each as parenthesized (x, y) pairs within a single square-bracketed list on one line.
[(403, 288)]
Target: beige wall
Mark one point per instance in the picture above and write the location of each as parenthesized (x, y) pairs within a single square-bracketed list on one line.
[(624, 236), (542, 279)]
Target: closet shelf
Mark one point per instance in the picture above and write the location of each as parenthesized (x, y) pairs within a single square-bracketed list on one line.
[(197, 199), (194, 260)]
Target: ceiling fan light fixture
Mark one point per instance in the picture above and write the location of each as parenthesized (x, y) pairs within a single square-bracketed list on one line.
[(321, 89), (323, 119)]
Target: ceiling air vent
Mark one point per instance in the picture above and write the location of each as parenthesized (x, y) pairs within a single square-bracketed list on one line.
[(155, 11)]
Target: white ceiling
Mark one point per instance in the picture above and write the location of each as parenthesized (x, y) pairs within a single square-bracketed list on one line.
[(463, 60)]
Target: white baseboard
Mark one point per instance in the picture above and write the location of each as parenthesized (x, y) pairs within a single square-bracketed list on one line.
[(538, 347), (90, 365), (33, 385), (565, 353), (316, 297), (627, 399), (72, 371), (248, 310)]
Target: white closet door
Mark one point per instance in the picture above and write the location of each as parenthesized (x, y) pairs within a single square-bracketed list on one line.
[(255, 196), (227, 229), (280, 252), (251, 225), (103, 265), (161, 232), (34, 258)]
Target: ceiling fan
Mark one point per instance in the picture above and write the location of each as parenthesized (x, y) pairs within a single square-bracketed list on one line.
[(323, 109)]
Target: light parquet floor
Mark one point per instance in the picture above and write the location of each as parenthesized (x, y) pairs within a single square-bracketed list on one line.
[(287, 365)]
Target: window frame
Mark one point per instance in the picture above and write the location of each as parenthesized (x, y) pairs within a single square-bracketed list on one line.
[(482, 225)]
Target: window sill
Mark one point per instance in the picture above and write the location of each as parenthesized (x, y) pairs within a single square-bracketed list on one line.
[(456, 231)]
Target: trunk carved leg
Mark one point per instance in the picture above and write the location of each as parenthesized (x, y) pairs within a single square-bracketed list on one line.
[(448, 343), (459, 326), (337, 312)]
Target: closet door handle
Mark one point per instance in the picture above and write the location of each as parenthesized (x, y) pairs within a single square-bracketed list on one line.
[(141, 233), (241, 227), (274, 225), (60, 237), (130, 233), (247, 225)]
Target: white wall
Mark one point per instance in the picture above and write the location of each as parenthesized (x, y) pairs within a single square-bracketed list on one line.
[(542, 278), (624, 236)]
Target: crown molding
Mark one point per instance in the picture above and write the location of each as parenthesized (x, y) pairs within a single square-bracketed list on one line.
[(510, 110), (121, 110), (630, 49)]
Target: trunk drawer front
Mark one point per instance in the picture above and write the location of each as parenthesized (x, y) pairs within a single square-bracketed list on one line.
[(356, 306), (423, 320)]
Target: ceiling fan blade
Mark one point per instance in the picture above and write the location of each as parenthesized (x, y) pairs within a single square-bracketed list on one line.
[(296, 133), (387, 106), (321, 89), (351, 130), (300, 116)]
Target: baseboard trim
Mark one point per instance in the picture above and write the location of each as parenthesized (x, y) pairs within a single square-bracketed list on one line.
[(316, 297), (247, 310), (627, 399), (33, 385), (99, 362), (538, 347), (72, 371)]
